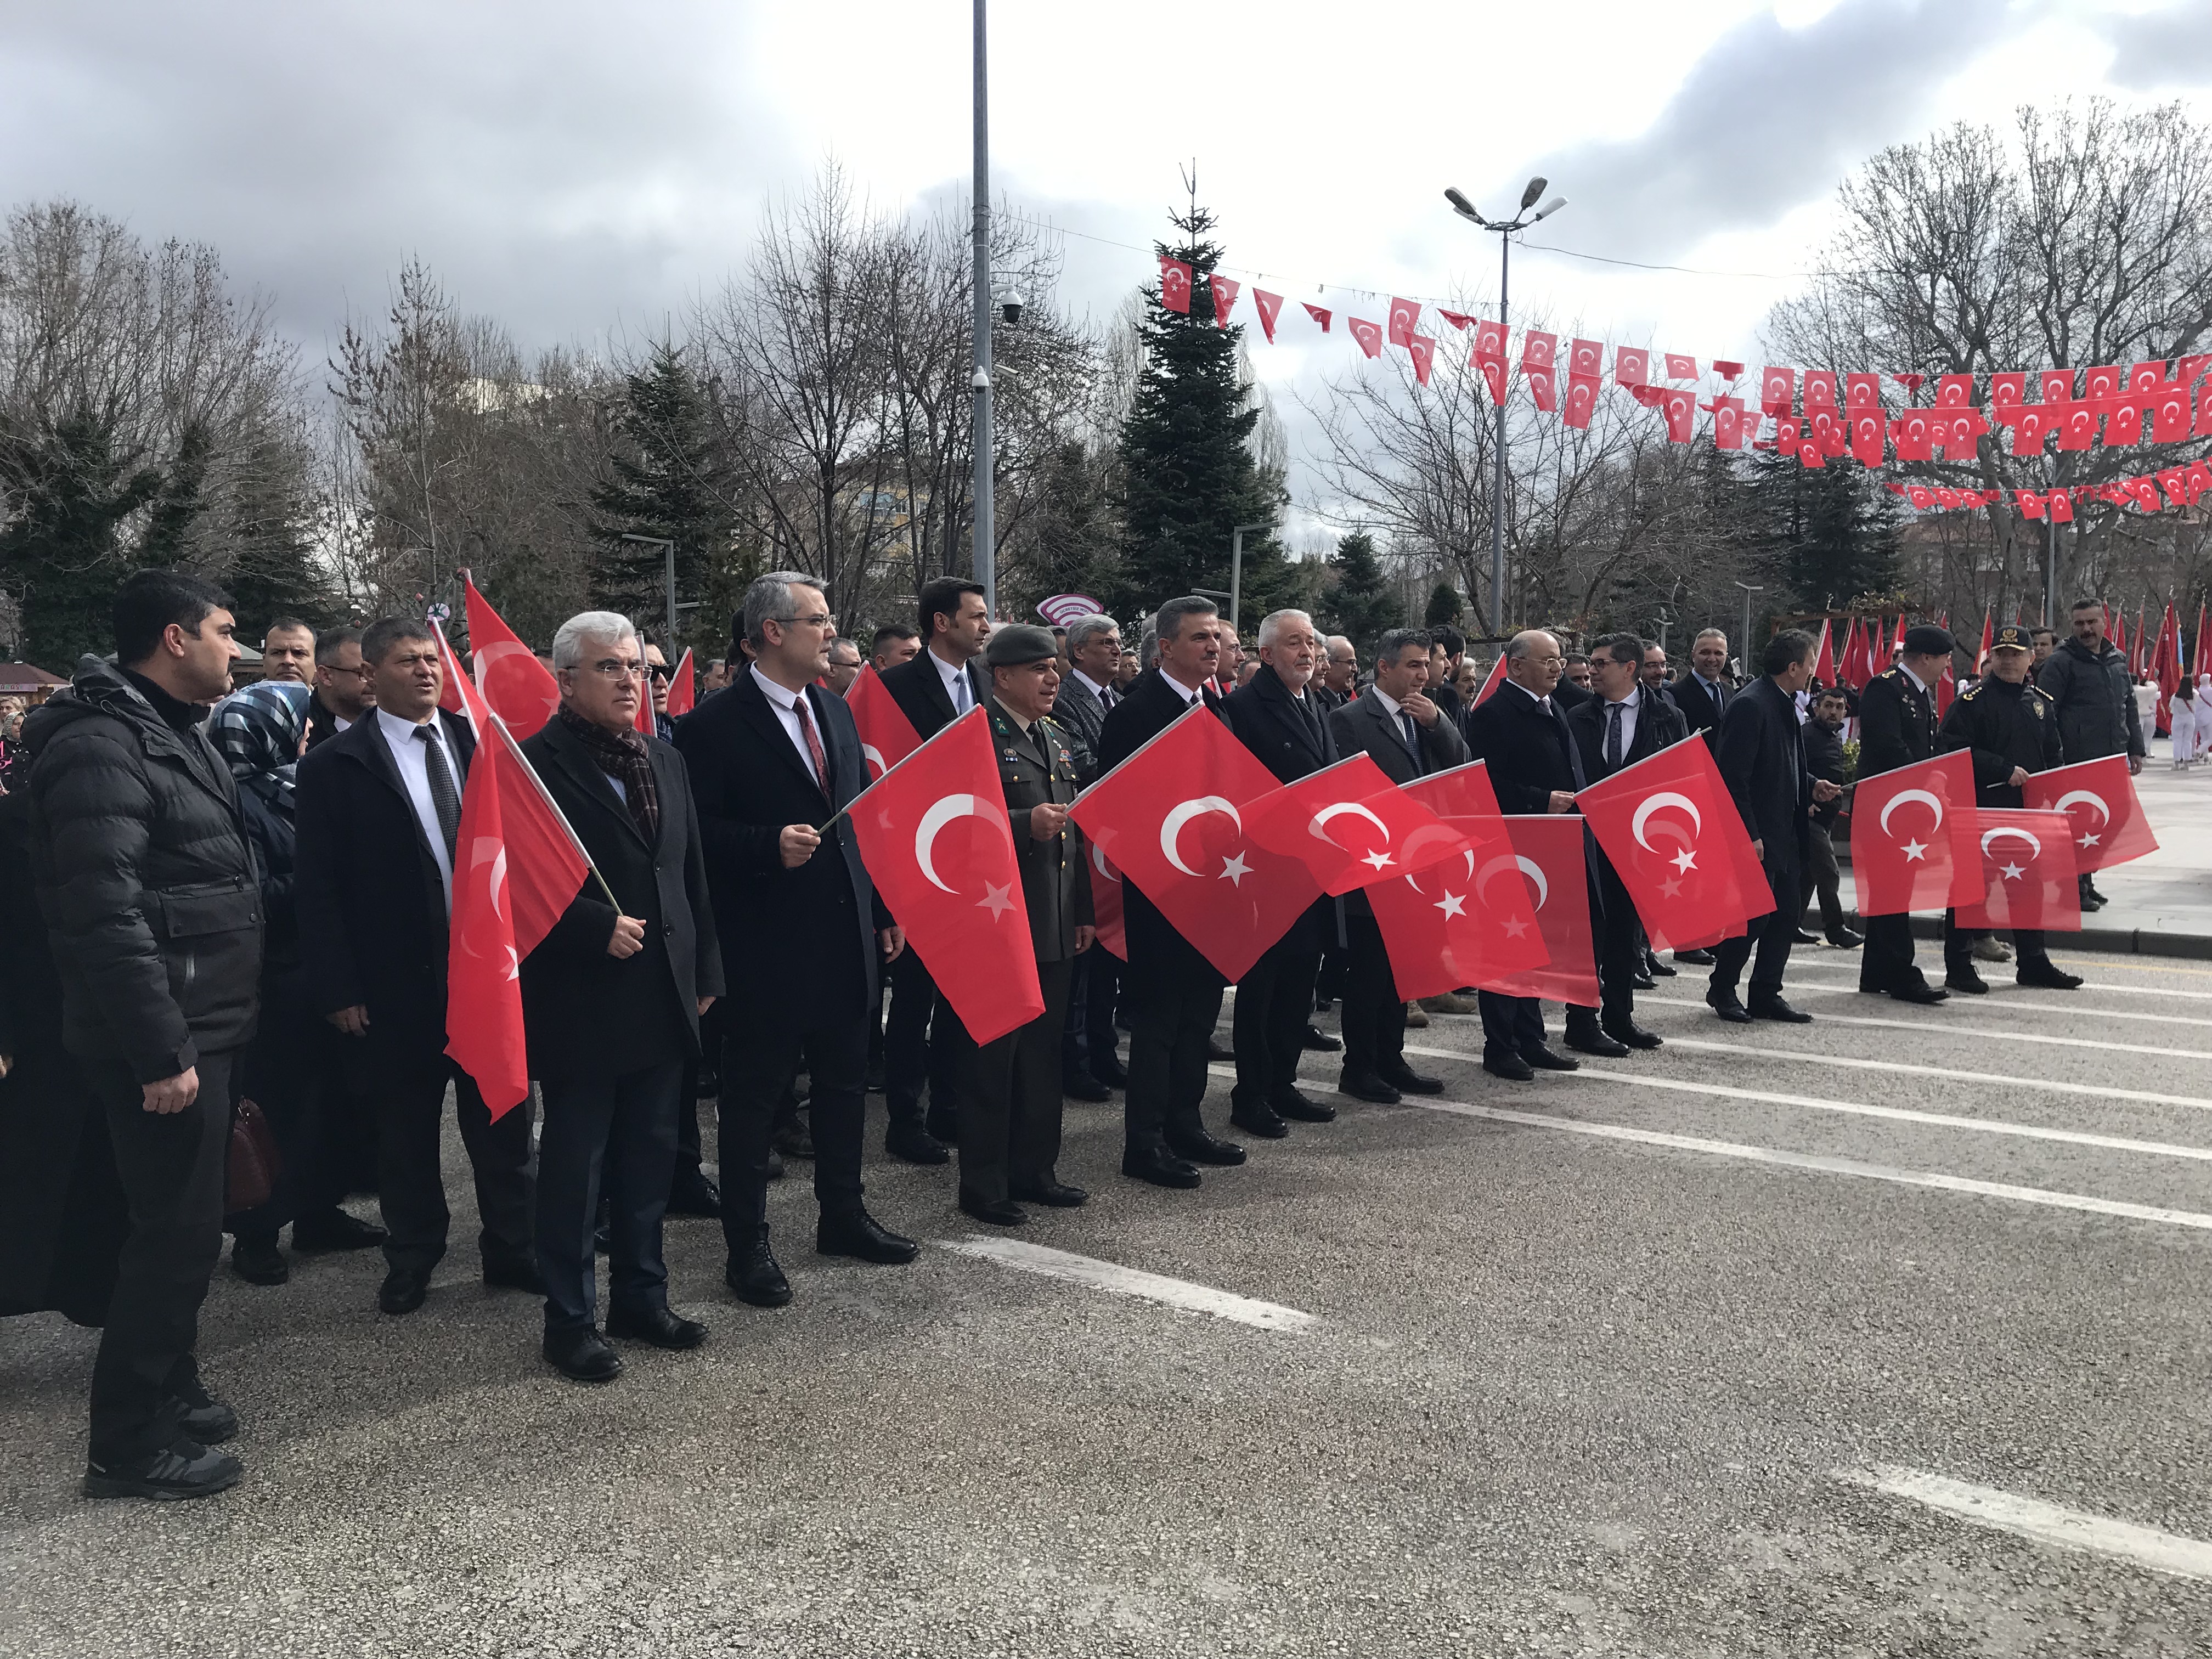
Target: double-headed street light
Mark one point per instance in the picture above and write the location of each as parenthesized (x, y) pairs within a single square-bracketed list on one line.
[(1465, 209)]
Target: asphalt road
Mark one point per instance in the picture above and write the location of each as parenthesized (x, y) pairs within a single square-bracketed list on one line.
[(1722, 1388)]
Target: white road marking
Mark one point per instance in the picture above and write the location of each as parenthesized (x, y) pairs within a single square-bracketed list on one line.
[(1853, 1062), (1901, 1113), (1797, 966), (1941, 1026), (2046, 1523), (2012, 1006), (1130, 1281)]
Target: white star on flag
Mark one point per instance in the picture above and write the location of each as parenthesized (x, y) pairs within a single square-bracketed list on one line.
[(997, 899), (1670, 888), (1376, 859), (2013, 872), (1452, 904), (1234, 869), (1683, 861), (1515, 927), (2087, 840), (1916, 849)]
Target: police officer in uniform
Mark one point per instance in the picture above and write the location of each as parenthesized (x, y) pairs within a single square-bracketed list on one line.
[(1897, 726), (2012, 730), (1010, 1112)]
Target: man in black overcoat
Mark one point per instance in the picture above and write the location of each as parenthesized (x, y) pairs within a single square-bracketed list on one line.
[(1897, 727)]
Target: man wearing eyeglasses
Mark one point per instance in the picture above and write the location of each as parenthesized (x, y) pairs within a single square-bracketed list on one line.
[(657, 675), (342, 692)]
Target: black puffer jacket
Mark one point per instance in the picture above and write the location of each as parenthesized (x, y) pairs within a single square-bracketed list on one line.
[(145, 879), (2096, 713)]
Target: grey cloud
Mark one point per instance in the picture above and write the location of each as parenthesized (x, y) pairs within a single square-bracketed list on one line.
[(2161, 49)]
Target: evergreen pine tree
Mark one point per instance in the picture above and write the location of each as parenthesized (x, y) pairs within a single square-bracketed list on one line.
[(1831, 533), (1189, 475), (69, 491), (1444, 606), (1360, 605)]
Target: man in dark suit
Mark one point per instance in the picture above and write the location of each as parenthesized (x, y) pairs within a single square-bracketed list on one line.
[(1655, 673), (1175, 994), (1275, 715), (378, 808), (1535, 769), (342, 693), (800, 927), (1409, 737), (1761, 756), (612, 997), (1090, 1068), (1897, 726), (1442, 688), (1704, 694), (923, 1039), (1624, 723)]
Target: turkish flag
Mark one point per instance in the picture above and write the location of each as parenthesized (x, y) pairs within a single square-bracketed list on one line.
[(1689, 885), (1538, 349), (2030, 503), (2169, 416), (940, 847), (2146, 379), (1954, 391), (2077, 424), (1317, 315), (1489, 339), (1820, 389), (2030, 424), (1350, 825), (1224, 297), (2008, 391), (1455, 924), (1824, 658), (2099, 797), (1106, 902), (887, 736), (1369, 336), (1458, 319), (1680, 409), (1582, 400), (1546, 853), (1405, 318), (1543, 383), (1680, 368), (683, 687), (1727, 422), (520, 689), (1175, 284), (2203, 410), (1863, 391), (2055, 385), (2061, 506), (1171, 819), (2123, 422), (1778, 389), (1914, 434), (2025, 872), (1632, 365), (2104, 381), (1492, 370), (1269, 306), (1868, 436), (1586, 357), (1912, 837), (1491, 682), (1423, 351)]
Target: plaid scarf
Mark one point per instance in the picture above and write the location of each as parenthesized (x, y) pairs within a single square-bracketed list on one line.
[(257, 729), (623, 756)]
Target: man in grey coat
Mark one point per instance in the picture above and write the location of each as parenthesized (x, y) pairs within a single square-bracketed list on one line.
[(2096, 713)]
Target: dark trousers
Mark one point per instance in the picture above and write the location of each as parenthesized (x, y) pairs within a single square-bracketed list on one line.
[(1773, 935), (616, 1135), (1619, 941), (1510, 1025), (763, 1053), (170, 1165), (687, 1094), (1274, 1005), (284, 1072), (1009, 1108), (410, 1080), (1959, 945), (1090, 1046), (1886, 963), (1171, 1018), (1374, 1017), (923, 1044), (1824, 876)]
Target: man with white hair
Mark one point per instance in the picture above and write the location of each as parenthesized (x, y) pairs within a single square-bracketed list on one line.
[(612, 998), (1340, 674)]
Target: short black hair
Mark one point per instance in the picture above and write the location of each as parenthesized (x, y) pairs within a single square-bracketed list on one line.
[(288, 625), (1574, 657), (152, 599), (894, 631), (940, 596), (327, 646), (1624, 648), (1395, 640), (380, 635), (1453, 641), (1835, 691), (2051, 634), (2086, 605), (1786, 651), (1167, 621)]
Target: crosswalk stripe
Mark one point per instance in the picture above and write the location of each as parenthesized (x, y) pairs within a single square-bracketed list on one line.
[(1112, 1276), (2003, 1005), (1941, 1026), (1853, 1062), (2046, 1523), (1798, 968)]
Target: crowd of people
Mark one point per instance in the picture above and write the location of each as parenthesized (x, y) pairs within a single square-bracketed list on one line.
[(230, 895)]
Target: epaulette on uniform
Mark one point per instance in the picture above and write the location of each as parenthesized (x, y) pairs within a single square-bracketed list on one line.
[(1970, 692)]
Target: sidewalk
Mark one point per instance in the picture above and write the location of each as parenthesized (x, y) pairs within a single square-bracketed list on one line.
[(2162, 904)]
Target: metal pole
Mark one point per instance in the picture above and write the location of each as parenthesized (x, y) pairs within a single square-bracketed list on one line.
[(2050, 569), (1236, 576), (1497, 488), (986, 562), (670, 550)]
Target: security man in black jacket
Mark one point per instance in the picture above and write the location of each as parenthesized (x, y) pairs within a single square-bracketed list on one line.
[(1897, 726), (2012, 730)]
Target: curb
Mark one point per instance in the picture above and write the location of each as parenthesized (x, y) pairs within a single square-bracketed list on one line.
[(2127, 941)]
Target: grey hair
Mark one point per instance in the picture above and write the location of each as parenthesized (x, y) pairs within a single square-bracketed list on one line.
[(569, 642), (1083, 630), (1720, 634), (1148, 647), (1271, 624), (768, 600), (1525, 641), (852, 646), (1396, 640), (1330, 644), (1167, 621)]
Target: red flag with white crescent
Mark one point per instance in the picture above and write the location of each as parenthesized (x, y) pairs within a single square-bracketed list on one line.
[(641, 717), (1538, 349), (1689, 884), (1465, 920), (1106, 901), (1405, 316), (1680, 368), (1175, 284), (1369, 336), (1269, 306), (1912, 837), (1632, 365), (683, 687), (2025, 871), (887, 736), (1778, 389), (2099, 797), (1581, 400), (1546, 855), (1423, 351), (938, 844), (1680, 409), (1224, 297), (1318, 315), (1824, 659), (1349, 825), (519, 687)]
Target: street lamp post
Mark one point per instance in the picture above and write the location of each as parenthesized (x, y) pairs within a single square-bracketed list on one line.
[(668, 547), (1747, 592), (1462, 207), (979, 382), (1236, 569)]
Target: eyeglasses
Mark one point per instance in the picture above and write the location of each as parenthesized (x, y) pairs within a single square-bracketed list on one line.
[(825, 620), (614, 668), (658, 670)]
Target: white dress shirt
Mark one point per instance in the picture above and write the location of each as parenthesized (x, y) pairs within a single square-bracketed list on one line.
[(414, 777), (956, 684), (1106, 696), (1627, 706), (1187, 693), (786, 704), (1544, 704)]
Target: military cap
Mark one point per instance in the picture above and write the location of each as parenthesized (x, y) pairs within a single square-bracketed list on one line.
[(1926, 639), (1018, 643), (2014, 637)]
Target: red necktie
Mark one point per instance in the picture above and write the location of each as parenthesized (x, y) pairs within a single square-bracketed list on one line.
[(813, 744)]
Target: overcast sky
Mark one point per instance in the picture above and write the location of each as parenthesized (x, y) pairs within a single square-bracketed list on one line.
[(580, 170)]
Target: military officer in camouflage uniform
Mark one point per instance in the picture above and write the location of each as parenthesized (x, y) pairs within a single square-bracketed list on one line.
[(1010, 1113), (2012, 730)]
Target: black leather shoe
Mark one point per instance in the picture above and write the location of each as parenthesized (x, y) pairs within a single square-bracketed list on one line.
[(1319, 1041), (999, 1213), (1967, 980), (774, 1165), (1628, 1032), (581, 1356), (863, 1237), (1776, 1008), (404, 1290), (1203, 1148), (1923, 992), (2093, 901), (708, 1085), (910, 1141), (791, 1139), (1408, 1081), (334, 1229), (657, 1326), (1726, 1005), (1053, 1194), (1217, 1050), (1365, 1086), (1657, 968), (1697, 958), (942, 1126), (1262, 1121), (258, 1261), (1643, 982), (1081, 1085), (757, 1277), (1295, 1106), (1544, 1060), (210, 1423), (514, 1276), (1806, 937), (1111, 1072), (2046, 974), (1159, 1166), (1512, 1067), (692, 1193), (1589, 1040), (185, 1468), (1843, 940)]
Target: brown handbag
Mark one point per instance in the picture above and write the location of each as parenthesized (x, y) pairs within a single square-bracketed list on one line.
[(250, 1174)]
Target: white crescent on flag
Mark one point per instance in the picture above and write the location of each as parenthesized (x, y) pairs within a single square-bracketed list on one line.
[(1527, 866), (941, 814), (1651, 803), (1171, 826)]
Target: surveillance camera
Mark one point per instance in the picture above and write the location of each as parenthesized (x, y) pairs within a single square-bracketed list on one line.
[(981, 382), (1011, 311)]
